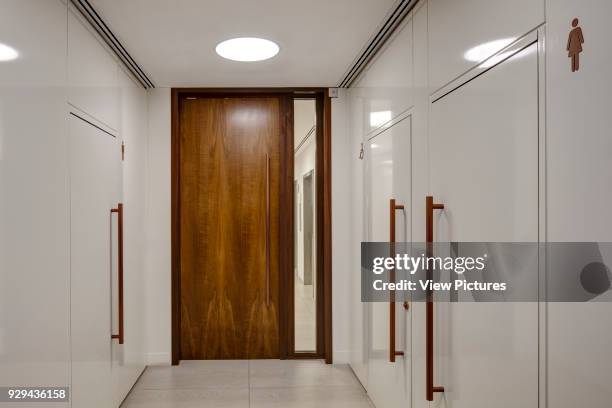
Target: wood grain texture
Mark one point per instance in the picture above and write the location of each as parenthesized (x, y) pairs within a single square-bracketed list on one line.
[(222, 207)]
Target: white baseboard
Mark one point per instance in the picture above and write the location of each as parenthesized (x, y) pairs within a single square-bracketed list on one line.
[(162, 358)]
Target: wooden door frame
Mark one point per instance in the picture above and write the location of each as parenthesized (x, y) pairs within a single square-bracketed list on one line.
[(286, 233)]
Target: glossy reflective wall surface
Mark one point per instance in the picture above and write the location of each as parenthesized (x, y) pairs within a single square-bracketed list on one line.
[(305, 278), (34, 206)]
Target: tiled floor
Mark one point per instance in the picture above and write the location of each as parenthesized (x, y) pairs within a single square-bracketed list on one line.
[(255, 383)]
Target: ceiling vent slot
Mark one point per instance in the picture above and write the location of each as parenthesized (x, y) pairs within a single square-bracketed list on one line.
[(105, 33), (392, 21)]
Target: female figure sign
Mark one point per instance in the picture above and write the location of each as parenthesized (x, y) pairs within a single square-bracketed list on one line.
[(574, 45)]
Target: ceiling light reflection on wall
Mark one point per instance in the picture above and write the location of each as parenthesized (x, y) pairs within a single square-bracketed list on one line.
[(502, 56), (247, 49), (483, 51), (379, 118), (7, 53)]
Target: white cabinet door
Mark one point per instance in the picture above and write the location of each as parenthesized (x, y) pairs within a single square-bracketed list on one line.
[(34, 264), (388, 177), (579, 181), (484, 169), (93, 192)]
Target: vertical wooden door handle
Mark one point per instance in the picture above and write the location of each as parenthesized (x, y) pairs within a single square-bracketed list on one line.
[(393, 207), (267, 230), (119, 211), (429, 306)]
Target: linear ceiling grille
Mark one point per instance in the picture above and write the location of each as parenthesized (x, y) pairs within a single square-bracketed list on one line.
[(92, 16), (386, 29)]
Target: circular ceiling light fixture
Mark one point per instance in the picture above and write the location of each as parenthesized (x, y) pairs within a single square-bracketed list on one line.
[(7, 53), (247, 49)]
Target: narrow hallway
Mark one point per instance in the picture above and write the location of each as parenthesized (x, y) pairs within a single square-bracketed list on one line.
[(305, 204), (244, 383)]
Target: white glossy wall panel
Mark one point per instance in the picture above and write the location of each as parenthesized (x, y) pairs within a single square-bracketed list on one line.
[(579, 149), (484, 169), (358, 310), (158, 263), (92, 74), (34, 207), (129, 359), (457, 26), (386, 84), (342, 226)]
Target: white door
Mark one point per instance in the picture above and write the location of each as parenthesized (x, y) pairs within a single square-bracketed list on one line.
[(484, 169), (388, 177), (122, 374), (93, 193)]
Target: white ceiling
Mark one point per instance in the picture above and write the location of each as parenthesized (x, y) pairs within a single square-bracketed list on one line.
[(174, 40)]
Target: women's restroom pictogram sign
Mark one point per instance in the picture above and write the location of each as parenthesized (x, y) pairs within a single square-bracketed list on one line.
[(574, 45)]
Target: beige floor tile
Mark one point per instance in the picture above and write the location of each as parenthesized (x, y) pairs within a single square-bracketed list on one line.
[(197, 374), (309, 397), (188, 398), (299, 373), (252, 384)]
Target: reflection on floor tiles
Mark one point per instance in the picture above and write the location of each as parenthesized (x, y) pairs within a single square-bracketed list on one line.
[(242, 384), (305, 317)]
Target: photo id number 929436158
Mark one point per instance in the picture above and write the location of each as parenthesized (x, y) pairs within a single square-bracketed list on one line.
[(30, 394)]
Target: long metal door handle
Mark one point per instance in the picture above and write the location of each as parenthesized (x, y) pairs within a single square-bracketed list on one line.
[(267, 230), (393, 207), (119, 211), (429, 306)]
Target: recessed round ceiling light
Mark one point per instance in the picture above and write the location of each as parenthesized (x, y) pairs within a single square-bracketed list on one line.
[(7, 53), (247, 49)]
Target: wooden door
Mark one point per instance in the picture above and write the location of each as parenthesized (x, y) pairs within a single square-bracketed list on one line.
[(229, 202)]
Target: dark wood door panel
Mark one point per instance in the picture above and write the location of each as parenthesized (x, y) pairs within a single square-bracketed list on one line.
[(224, 143)]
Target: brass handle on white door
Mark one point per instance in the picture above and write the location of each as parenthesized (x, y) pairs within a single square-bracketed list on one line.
[(392, 352), (119, 211), (429, 306)]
